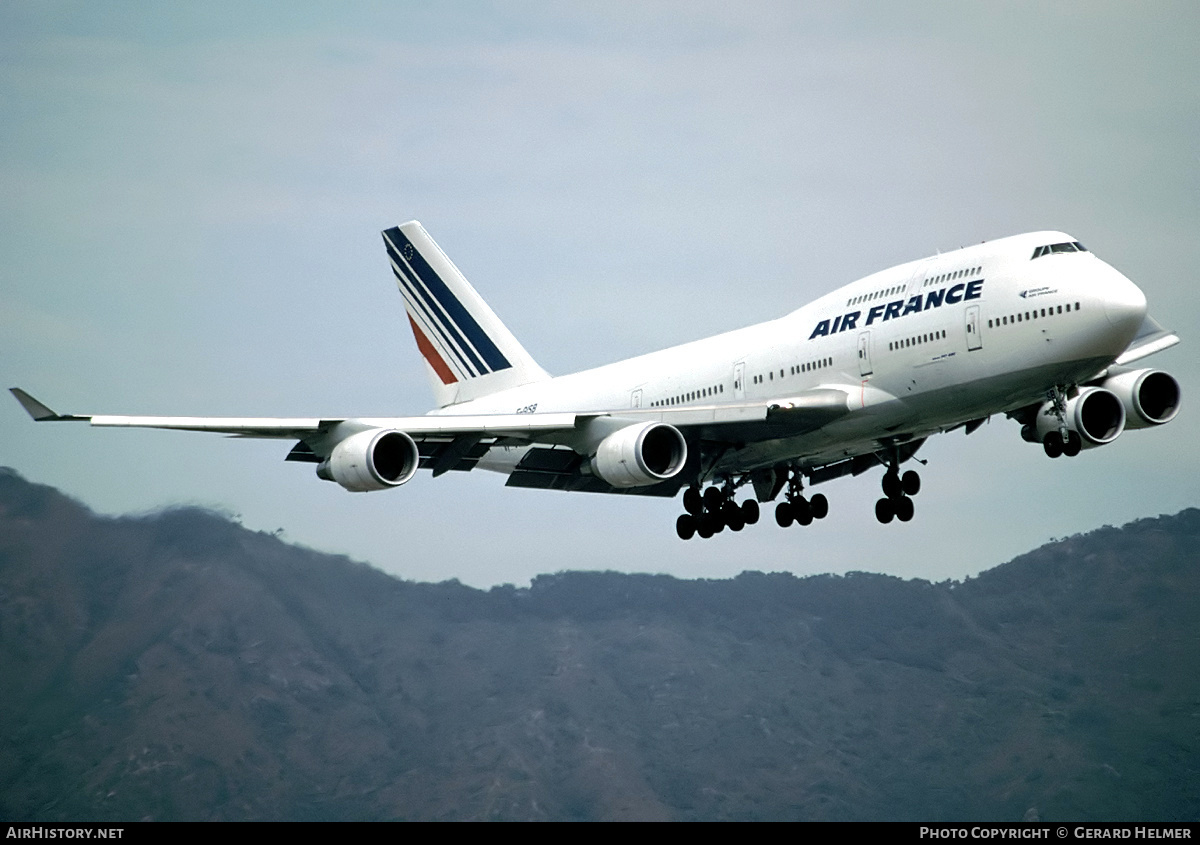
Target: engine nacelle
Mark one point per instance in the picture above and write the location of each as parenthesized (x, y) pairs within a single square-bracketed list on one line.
[(640, 454), (1095, 414), (372, 460), (1150, 397)]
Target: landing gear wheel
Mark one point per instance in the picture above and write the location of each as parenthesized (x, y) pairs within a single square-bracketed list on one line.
[(819, 505), (904, 509), (885, 511), (891, 485), (703, 528), (784, 514), (685, 526), (911, 483), (1053, 444), (731, 514), (1073, 445), (713, 499), (802, 510), (693, 502), (750, 511)]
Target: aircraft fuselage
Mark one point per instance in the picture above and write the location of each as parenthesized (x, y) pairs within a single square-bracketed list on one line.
[(920, 348)]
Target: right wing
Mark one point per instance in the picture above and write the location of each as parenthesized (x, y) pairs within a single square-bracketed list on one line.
[(1151, 338)]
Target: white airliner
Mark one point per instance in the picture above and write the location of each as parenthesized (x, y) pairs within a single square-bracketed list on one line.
[(1034, 327)]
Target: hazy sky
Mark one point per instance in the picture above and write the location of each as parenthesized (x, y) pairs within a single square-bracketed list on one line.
[(191, 199)]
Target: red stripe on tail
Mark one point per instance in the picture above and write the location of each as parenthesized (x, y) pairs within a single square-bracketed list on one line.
[(431, 355)]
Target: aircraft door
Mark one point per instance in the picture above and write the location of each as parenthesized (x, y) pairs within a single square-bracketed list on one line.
[(635, 401), (974, 336), (739, 380), (864, 354)]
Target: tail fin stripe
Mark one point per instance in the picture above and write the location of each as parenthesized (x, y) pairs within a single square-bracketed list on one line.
[(449, 357), (454, 309), (424, 304), (431, 355), (428, 314)]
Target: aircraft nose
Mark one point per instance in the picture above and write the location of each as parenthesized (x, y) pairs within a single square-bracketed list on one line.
[(1124, 304)]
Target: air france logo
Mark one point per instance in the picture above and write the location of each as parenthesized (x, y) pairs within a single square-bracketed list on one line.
[(900, 308)]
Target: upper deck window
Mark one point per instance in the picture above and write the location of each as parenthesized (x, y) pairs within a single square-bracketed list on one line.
[(1072, 246)]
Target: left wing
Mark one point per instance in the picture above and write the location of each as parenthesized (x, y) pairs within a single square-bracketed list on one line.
[(613, 451), (301, 427)]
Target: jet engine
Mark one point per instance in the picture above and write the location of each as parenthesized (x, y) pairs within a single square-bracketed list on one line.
[(1150, 397), (1095, 414), (640, 454), (371, 460)]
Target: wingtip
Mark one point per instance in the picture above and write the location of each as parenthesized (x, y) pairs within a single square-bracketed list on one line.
[(33, 407)]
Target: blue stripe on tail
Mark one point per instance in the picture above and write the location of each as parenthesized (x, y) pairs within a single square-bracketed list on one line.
[(460, 320), (422, 303)]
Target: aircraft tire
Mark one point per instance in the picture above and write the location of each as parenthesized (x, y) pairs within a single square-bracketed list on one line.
[(750, 512), (1053, 444), (891, 485), (693, 502), (904, 509), (703, 529), (802, 510), (1073, 445), (820, 506), (713, 499), (685, 526), (783, 514), (911, 482), (885, 511)]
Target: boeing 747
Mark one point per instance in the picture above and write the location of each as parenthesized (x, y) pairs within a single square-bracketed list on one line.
[(1033, 327)]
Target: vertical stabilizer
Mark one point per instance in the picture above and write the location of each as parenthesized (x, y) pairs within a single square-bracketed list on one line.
[(469, 352)]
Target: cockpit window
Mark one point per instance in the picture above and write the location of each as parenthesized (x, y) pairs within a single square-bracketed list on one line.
[(1072, 246)]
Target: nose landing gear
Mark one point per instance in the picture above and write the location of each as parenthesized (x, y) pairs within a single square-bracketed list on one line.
[(1060, 441)]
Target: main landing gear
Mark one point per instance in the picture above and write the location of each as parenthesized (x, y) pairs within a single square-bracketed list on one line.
[(796, 508), (898, 491), (713, 512)]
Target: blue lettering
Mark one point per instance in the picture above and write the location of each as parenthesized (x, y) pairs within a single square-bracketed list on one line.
[(914, 304), (849, 320), (954, 295), (933, 299), (893, 310), (822, 329), (974, 289), (875, 311), (836, 320)]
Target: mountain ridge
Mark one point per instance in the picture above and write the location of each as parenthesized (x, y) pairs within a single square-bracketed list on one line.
[(178, 666)]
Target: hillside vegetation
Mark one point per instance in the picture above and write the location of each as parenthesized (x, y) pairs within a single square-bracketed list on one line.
[(177, 666)]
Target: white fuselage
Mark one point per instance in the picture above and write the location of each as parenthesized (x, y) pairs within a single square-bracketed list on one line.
[(919, 348)]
